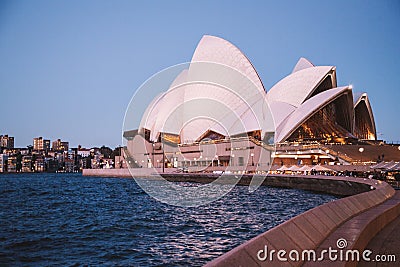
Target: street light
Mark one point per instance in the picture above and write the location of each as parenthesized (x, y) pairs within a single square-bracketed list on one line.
[(361, 149), (152, 163), (252, 159), (163, 152)]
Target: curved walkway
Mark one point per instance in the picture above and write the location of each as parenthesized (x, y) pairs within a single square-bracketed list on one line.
[(357, 233), (354, 220), (386, 242)]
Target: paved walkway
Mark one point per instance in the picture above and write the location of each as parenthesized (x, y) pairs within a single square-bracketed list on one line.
[(356, 231), (386, 242)]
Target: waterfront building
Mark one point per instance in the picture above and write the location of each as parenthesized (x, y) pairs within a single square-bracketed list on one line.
[(119, 159), (3, 162), (310, 114), (6, 141), (59, 145), (27, 164), (69, 165), (24, 151), (52, 154), (13, 151), (52, 164), (70, 154), (39, 158), (95, 163), (12, 164), (83, 152), (106, 163), (40, 144), (85, 163), (40, 164)]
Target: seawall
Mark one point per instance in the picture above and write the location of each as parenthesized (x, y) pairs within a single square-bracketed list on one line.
[(337, 185), (124, 173), (356, 219)]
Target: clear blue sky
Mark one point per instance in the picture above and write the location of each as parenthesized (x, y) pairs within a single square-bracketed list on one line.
[(69, 68)]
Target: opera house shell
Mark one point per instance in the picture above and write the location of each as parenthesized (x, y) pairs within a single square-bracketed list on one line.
[(307, 105)]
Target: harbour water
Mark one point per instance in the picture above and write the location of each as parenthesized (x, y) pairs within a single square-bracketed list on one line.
[(71, 220)]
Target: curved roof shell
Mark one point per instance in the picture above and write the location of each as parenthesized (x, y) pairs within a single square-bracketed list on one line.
[(239, 103), (221, 78), (302, 64), (309, 108), (218, 50), (360, 101), (299, 86)]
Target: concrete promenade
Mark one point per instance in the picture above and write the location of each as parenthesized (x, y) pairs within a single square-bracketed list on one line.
[(355, 219), (386, 242)]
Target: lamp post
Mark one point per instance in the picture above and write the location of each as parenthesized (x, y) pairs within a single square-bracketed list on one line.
[(152, 163), (163, 163), (233, 160), (361, 150), (163, 154), (252, 159)]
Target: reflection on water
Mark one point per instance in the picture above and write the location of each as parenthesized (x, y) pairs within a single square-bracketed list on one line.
[(67, 219)]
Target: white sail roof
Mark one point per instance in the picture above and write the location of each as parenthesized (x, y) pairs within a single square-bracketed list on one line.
[(298, 86), (218, 50), (302, 64), (361, 98), (221, 91), (305, 111)]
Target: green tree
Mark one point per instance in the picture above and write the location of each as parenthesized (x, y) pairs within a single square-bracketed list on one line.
[(106, 151), (116, 152), (33, 162), (19, 162)]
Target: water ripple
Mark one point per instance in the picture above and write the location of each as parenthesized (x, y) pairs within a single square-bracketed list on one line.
[(70, 220)]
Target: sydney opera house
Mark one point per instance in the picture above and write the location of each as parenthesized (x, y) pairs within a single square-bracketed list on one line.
[(247, 128)]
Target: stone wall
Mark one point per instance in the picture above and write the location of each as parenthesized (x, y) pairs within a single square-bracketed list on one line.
[(308, 230)]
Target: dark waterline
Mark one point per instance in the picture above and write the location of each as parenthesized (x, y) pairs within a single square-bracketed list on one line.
[(68, 219)]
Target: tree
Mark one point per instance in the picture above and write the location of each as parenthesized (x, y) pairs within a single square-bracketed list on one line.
[(106, 151), (30, 148), (19, 162), (33, 162), (116, 152)]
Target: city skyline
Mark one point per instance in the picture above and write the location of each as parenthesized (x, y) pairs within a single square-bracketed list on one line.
[(69, 69), (41, 143)]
